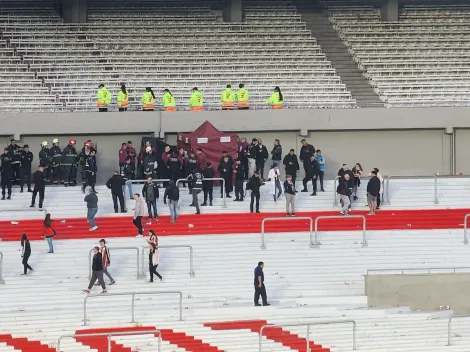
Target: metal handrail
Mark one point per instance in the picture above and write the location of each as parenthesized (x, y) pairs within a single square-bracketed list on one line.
[(449, 326), (1, 269), (335, 196), (111, 334), (133, 301), (224, 205), (23, 209), (263, 244), (114, 249), (308, 330), (191, 256), (157, 180), (419, 269), (316, 244), (465, 236), (387, 185)]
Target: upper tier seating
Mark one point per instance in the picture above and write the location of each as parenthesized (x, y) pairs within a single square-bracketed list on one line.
[(164, 47), (422, 60)]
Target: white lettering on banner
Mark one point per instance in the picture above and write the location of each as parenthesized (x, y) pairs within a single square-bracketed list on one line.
[(225, 139), (203, 140)]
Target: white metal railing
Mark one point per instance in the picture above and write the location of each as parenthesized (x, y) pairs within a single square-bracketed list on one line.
[(449, 327), (23, 209), (263, 244), (114, 249), (316, 243), (111, 334), (224, 205), (133, 294), (130, 182), (465, 229), (267, 326), (1, 269), (191, 258)]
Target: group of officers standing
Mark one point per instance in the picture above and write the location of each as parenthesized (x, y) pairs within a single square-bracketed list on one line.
[(60, 166)]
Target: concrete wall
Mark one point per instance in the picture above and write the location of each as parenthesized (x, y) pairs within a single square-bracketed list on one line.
[(74, 11), (396, 141), (419, 291)]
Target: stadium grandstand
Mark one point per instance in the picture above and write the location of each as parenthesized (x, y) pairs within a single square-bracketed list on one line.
[(359, 101)]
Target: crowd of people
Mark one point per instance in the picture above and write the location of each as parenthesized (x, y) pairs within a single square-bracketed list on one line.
[(196, 102)]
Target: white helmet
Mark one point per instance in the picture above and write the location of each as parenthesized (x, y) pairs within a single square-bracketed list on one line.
[(55, 141), (148, 149), (44, 144)]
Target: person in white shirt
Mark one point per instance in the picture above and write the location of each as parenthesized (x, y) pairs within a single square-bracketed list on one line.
[(276, 185)]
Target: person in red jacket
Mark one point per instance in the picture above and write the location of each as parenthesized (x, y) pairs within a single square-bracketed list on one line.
[(201, 158), (106, 261)]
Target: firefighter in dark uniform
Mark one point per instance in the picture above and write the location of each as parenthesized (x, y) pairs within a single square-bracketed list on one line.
[(26, 158), (69, 156), (90, 170), (83, 161), (149, 163), (15, 151), (191, 168), (5, 170), (175, 166), (207, 185), (45, 160), (56, 155)]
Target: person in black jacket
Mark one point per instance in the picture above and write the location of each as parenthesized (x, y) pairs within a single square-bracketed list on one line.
[(313, 170), (289, 191), (208, 185), (345, 171), (97, 271), (116, 184), (343, 191), (276, 152), (5, 169), (39, 187), (239, 172), (306, 152), (254, 185), (373, 191), (151, 194), (196, 179), (292, 165), (25, 253), (90, 169), (26, 158), (226, 172), (173, 194), (14, 151), (261, 157), (251, 156)]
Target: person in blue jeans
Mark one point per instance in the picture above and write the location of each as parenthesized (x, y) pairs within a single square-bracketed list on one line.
[(92, 206), (321, 161), (151, 194), (48, 232), (173, 194)]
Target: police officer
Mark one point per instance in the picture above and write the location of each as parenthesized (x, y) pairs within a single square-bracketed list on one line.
[(149, 163), (208, 185), (26, 158), (175, 166), (69, 156), (239, 172), (226, 172), (313, 170), (196, 179), (90, 171), (14, 151), (5, 169), (45, 160), (56, 155)]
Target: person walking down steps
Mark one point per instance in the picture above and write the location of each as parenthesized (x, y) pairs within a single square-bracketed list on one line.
[(106, 261), (25, 253), (97, 271), (154, 258), (139, 213)]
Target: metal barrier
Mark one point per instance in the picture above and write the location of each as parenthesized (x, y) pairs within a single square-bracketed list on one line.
[(449, 327), (2, 282), (191, 267), (130, 182), (267, 326), (23, 209), (387, 185), (316, 244), (263, 244), (111, 334), (465, 236), (419, 269), (114, 249), (224, 205), (133, 294)]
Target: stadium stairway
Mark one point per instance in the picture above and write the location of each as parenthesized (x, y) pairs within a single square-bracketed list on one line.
[(303, 284)]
